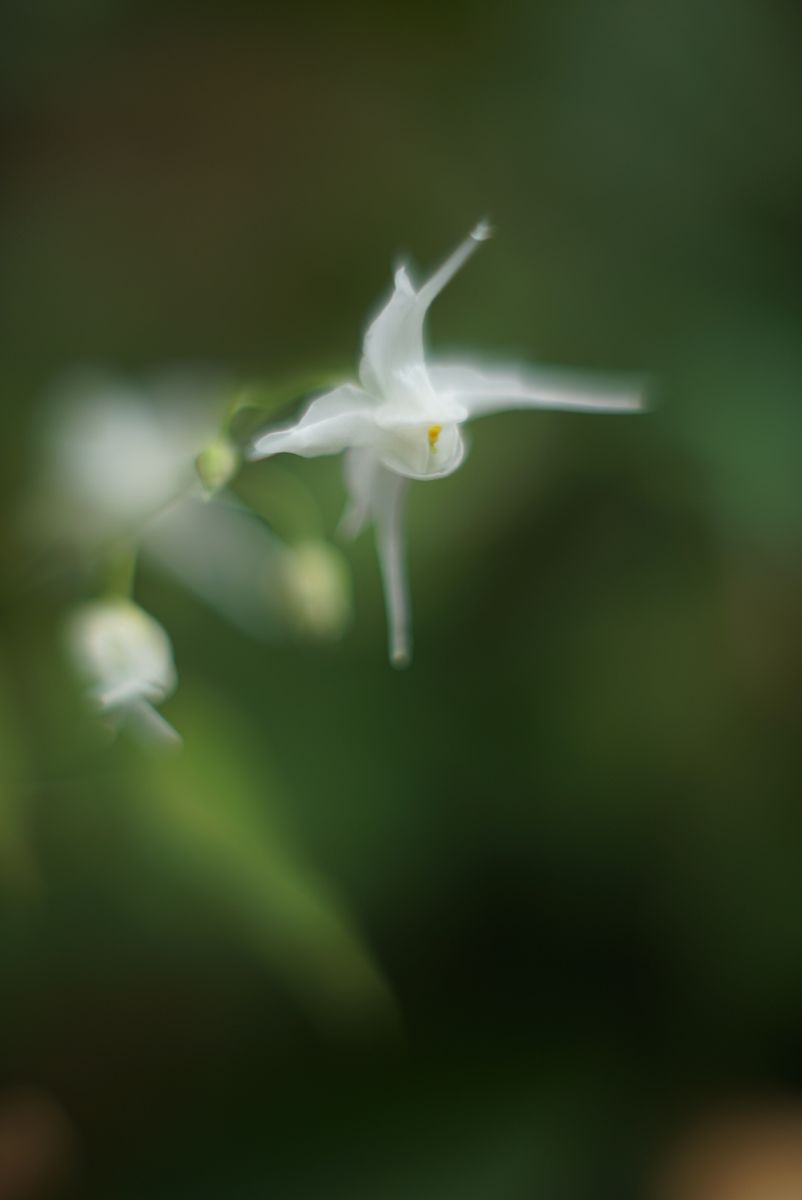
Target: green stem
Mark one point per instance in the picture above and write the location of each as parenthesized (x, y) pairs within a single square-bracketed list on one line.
[(121, 569)]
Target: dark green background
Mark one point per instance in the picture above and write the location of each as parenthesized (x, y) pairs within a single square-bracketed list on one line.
[(571, 834)]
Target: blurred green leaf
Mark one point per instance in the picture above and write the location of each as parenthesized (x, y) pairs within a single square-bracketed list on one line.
[(19, 872), (212, 811)]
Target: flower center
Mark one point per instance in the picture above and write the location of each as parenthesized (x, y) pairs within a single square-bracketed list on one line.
[(433, 433)]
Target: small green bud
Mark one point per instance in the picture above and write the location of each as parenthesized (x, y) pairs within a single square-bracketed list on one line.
[(217, 463)]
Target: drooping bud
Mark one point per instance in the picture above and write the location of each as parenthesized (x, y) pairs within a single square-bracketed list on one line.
[(315, 588), (125, 659)]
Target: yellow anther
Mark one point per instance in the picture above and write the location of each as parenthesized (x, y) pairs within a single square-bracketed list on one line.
[(433, 434)]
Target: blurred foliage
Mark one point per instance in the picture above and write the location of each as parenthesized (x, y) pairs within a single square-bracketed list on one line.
[(504, 923)]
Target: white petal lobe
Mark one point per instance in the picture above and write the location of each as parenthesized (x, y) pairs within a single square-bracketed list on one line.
[(488, 389), (393, 349), (359, 469), (389, 499), (448, 270), (340, 418)]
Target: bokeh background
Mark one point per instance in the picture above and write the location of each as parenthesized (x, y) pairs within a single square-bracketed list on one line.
[(523, 920)]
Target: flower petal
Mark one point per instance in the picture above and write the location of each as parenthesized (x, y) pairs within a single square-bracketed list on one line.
[(393, 346), (488, 389), (379, 494), (148, 726), (340, 418), (359, 470), (448, 270), (126, 660), (388, 503)]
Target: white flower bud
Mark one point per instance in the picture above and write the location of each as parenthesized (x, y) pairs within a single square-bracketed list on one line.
[(125, 659), (217, 463)]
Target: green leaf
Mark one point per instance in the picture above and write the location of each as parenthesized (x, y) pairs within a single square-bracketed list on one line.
[(212, 811), (19, 871)]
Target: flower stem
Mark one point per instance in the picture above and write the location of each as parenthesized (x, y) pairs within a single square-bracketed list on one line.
[(121, 569)]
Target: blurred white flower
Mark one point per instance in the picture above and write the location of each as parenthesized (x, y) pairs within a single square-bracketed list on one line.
[(225, 555), (128, 469), (238, 567), (114, 455), (125, 659), (314, 583), (404, 420)]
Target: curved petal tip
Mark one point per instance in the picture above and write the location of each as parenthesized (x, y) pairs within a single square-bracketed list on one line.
[(482, 232)]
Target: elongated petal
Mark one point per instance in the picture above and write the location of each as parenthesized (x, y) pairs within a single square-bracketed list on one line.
[(340, 418), (147, 725), (389, 499), (448, 270), (120, 651), (378, 494), (393, 341), (125, 694), (393, 347), (489, 389)]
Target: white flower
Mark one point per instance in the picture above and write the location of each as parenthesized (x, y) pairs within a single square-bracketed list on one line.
[(404, 420), (114, 454), (126, 661)]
